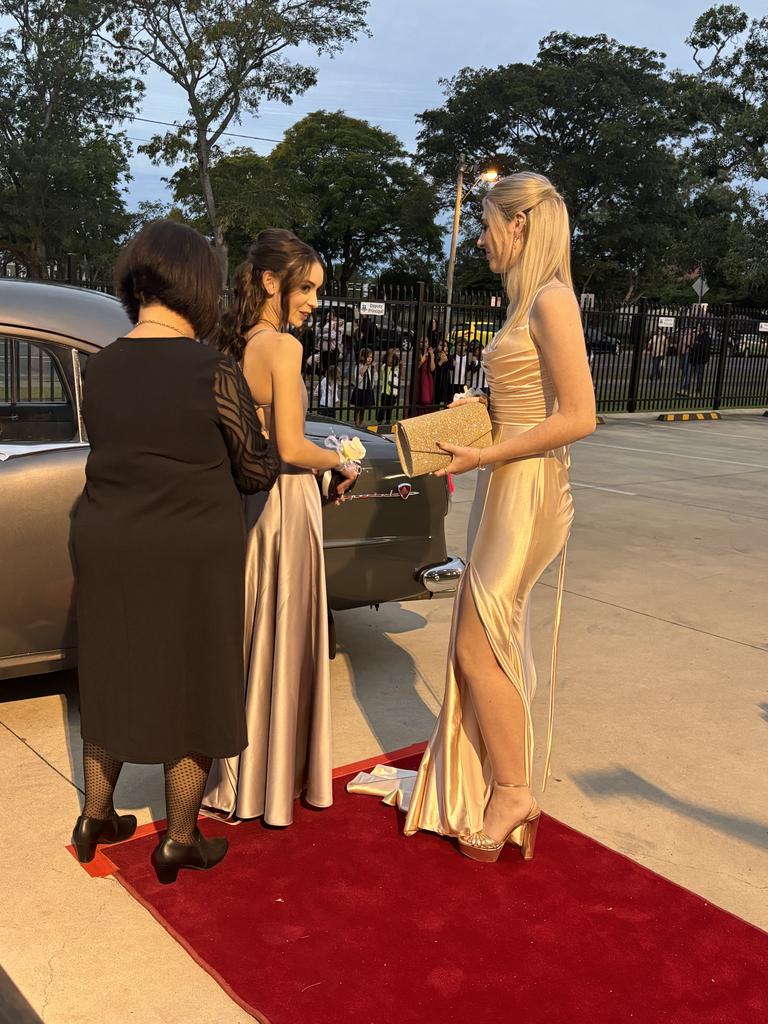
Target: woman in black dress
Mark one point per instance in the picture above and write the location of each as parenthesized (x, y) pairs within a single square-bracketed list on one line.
[(159, 544), (443, 375)]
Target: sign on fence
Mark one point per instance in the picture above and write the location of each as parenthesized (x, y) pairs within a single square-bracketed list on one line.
[(666, 321), (763, 328), (372, 308)]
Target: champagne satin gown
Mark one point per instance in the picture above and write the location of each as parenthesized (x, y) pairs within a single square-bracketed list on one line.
[(288, 688), (520, 522)]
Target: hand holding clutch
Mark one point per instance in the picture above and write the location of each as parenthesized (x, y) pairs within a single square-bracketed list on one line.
[(421, 440)]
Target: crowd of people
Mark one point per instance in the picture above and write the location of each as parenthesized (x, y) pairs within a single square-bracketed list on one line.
[(351, 364)]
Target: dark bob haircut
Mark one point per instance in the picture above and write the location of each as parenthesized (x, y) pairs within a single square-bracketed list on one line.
[(172, 264)]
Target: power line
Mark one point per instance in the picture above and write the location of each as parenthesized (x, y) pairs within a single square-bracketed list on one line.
[(172, 124)]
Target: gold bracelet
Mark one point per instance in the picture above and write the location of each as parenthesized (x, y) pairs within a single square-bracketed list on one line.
[(479, 458)]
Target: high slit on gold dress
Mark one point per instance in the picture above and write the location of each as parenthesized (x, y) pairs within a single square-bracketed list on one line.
[(520, 522)]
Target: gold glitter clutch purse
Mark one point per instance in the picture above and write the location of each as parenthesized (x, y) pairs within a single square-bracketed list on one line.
[(468, 426)]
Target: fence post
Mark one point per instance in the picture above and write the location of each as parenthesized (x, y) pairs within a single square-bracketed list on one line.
[(722, 357), (418, 313), (637, 337)]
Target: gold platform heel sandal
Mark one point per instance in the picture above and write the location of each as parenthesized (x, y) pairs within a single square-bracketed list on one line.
[(480, 846)]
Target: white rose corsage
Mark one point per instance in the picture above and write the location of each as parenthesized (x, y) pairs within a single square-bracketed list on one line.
[(351, 449)]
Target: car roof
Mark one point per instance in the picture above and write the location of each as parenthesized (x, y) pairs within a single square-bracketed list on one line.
[(72, 312)]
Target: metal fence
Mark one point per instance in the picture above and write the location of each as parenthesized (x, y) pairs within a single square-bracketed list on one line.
[(645, 356)]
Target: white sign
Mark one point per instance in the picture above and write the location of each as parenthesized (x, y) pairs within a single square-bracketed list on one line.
[(763, 328), (587, 300), (701, 287), (372, 308), (666, 321)]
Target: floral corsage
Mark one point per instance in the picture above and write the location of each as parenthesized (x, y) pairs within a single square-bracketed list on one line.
[(351, 450)]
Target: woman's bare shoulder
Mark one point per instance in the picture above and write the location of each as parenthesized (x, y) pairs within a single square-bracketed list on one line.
[(273, 347), (555, 302)]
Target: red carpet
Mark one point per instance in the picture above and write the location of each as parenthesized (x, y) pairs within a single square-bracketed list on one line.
[(340, 920)]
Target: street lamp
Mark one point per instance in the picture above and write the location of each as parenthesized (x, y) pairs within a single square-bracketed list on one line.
[(461, 195)]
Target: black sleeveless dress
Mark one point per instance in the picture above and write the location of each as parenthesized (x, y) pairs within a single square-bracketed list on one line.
[(159, 544)]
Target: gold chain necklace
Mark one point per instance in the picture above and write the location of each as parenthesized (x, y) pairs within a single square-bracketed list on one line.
[(159, 323)]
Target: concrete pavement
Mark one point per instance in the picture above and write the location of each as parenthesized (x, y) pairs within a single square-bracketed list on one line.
[(660, 741)]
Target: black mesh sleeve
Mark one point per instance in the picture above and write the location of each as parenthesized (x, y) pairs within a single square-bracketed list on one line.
[(255, 462)]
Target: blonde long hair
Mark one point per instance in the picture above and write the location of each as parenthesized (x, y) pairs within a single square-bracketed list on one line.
[(546, 238)]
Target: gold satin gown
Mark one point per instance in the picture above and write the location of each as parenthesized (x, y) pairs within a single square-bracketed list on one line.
[(287, 684), (520, 522)]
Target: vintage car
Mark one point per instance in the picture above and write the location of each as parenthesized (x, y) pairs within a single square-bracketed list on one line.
[(387, 543)]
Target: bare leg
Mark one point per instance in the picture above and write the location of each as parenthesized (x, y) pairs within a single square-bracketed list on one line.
[(501, 715)]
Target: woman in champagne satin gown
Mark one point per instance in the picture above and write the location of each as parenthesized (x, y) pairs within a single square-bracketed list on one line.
[(288, 701), (474, 781)]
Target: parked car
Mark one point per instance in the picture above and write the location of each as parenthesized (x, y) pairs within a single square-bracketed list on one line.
[(753, 345), (598, 341), (474, 331), (385, 544)]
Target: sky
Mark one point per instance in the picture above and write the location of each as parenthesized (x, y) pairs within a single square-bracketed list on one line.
[(391, 77)]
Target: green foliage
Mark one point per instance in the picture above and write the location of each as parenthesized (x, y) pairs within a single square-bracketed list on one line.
[(341, 184), (61, 170), (636, 152), (227, 56), (732, 55)]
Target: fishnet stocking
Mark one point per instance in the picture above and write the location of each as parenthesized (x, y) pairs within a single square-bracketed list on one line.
[(101, 773), (184, 787)]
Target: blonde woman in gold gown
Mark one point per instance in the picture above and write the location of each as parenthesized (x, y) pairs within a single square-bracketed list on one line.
[(475, 779)]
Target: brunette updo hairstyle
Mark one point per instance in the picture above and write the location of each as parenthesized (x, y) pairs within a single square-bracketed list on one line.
[(289, 259), (174, 265)]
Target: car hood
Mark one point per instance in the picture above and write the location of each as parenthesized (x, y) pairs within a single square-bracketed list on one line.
[(376, 445)]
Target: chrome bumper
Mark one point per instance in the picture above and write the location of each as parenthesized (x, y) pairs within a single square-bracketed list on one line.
[(442, 579)]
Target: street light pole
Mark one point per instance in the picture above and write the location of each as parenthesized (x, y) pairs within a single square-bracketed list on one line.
[(455, 235)]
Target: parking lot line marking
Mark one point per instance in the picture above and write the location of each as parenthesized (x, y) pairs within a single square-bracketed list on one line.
[(658, 618), (594, 487), (714, 431), (677, 455)]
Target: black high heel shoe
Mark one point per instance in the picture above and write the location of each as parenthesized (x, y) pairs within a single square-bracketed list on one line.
[(89, 832), (169, 857)]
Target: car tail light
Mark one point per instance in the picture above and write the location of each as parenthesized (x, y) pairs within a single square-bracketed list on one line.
[(449, 478)]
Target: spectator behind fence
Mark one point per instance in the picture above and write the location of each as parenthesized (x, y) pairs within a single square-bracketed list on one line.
[(700, 354), (443, 375), (364, 382), (476, 373), (389, 383), (329, 392), (684, 359), (657, 349), (433, 333), (425, 377), (460, 368)]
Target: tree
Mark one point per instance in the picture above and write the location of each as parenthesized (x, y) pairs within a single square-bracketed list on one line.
[(61, 169), (602, 120), (227, 56), (732, 56), (341, 184), (248, 198), (352, 193)]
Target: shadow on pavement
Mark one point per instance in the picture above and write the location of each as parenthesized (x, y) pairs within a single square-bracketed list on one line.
[(623, 782), (14, 1008), (379, 661)]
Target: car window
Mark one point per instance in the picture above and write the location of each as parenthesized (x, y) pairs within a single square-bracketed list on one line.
[(5, 371), (38, 382)]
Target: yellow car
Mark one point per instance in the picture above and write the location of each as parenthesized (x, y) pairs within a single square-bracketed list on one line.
[(474, 332)]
